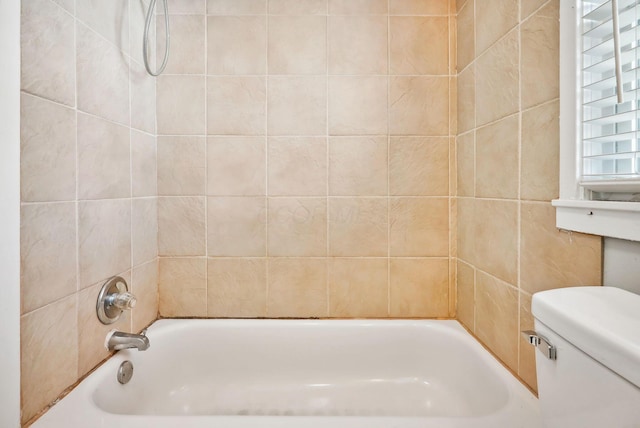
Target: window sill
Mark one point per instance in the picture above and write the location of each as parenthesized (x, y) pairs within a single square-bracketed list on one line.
[(605, 218)]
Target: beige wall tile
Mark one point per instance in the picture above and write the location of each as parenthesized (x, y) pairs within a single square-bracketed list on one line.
[(358, 227), (236, 7), (47, 151), (418, 7), (297, 166), (182, 286), (110, 19), (144, 283), (358, 166), (49, 357), (466, 168), (236, 226), (419, 45), (358, 288), (419, 105), (497, 159), (48, 253), (466, 99), (47, 43), (103, 77), (236, 166), (419, 227), (357, 44), (144, 174), (466, 285), (297, 288), (527, 357), (185, 7), (143, 98), (297, 227), (496, 238), (497, 80), (103, 159), (494, 19), (358, 7), (541, 152), (419, 166), (236, 44), (298, 7), (104, 236), (419, 288), (540, 56), (91, 332), (497, 318), (187, 44), (181, 166), (181, 226), (297, 44), (180, 105), (357, 105), (297, 105), (235, 105), (466, 237), (237, 288), (465, 35), (551, 258), (527, 7), (144, 230)]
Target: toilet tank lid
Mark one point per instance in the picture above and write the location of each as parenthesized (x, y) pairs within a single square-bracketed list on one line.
[(603, 322)]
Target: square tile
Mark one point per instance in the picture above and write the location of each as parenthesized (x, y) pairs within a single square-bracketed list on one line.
[(237, 288), (358, 166), (236, 105), (297, 288), (419, 227), (182, 284), (419, 106), (297, 227), (297, 105), (236, 226), (419, 288), (419, 166), (358, 227), (181, 226), (236, 166), (358, 288), (358, 44), (237, 45), (419, 45), (297, 166), (358, 105), (181, 166), (297, 45)]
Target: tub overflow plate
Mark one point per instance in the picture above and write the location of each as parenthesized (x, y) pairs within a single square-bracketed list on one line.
[(125, 372)]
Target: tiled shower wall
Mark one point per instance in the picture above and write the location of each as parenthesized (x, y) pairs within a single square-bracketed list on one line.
[(507, 174), (304, 159), (88, 185)]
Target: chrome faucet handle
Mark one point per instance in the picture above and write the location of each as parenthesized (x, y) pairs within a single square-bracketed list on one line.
[(114, 298), (122, 301)]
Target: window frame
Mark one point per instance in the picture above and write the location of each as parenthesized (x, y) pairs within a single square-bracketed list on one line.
[(575, 210)]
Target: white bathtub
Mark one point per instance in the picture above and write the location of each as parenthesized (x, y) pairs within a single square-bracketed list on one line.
[(302, 374)]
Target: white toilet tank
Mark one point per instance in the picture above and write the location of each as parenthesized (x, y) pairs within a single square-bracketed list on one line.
[(595, 379)]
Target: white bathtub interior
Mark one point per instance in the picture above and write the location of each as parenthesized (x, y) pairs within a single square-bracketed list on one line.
[(328, 372)]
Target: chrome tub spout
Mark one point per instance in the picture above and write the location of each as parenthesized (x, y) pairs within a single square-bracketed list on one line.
[(117, 340)]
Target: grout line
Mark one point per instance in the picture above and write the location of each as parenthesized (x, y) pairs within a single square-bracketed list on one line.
[(206, 160), (266, 160), (389, 294), (327, 204), (519, 210)]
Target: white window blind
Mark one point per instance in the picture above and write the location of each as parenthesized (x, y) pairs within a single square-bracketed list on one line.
[(610, 129)]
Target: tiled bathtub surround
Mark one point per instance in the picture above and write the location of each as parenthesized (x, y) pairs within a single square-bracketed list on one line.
[(89, 198), (304, 159), (507, 173)]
